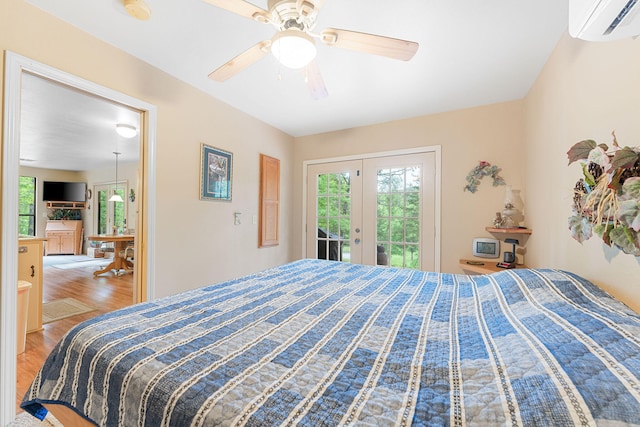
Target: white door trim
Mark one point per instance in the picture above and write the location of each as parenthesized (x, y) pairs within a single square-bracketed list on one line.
[(14, 66), (437, 149)]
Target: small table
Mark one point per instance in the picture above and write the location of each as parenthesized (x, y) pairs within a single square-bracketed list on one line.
[(487, 267), (120, 242)]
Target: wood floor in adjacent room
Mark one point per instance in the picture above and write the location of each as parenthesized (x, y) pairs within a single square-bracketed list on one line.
[(106, 293)]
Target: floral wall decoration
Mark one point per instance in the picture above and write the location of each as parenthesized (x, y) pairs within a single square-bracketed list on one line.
[(480, 171), (606, 199)]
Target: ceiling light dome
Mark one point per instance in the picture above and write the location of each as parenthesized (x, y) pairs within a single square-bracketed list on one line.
[(126, 131), (293, 48)]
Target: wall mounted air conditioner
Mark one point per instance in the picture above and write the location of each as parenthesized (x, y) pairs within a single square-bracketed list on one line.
[(602, 20)]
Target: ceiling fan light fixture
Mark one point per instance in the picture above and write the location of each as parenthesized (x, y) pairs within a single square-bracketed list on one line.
[(126, 131), (293, 48)]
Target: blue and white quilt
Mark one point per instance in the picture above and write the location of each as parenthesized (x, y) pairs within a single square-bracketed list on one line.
[(322, 343)]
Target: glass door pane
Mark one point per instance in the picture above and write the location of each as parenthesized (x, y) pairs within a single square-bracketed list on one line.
[(399, 192), (398, 217), (110, 214), (333, 216), (334, 196), (102, 210), (119, 211)]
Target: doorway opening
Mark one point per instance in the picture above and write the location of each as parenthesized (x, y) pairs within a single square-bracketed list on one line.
[(16, 67)]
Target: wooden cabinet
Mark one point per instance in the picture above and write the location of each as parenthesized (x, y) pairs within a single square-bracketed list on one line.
[(61, 242), (269, 201), (63, 237), (30, 269)]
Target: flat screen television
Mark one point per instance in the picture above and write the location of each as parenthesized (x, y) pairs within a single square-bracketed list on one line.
[(53, 191)]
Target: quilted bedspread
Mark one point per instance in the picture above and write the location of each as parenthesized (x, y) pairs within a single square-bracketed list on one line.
[(319, 343)]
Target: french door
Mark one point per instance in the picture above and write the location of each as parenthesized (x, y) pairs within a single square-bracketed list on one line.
[(110, 215), (334, 209), (375, 211)]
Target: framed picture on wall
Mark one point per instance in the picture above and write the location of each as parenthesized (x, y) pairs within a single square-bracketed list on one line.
[(215, 173)]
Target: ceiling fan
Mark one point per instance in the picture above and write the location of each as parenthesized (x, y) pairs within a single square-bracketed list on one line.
[(294, 42)]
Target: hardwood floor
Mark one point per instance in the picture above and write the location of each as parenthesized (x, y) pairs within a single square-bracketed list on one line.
[(105, 293)]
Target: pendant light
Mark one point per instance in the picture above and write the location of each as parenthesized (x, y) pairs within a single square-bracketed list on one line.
[(125, 131), (116, 197)]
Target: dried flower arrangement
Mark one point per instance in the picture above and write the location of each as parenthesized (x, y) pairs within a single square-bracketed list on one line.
[(607, 199), (480, 171)]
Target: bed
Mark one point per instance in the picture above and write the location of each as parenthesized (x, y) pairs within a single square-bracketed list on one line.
[(323, 343)]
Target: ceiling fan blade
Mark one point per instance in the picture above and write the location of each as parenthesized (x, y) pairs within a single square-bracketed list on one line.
[(242, 8), (315, 82), (369, 43), (242, 61)]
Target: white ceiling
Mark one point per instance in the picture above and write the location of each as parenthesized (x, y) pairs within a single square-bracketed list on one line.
[(63, 128), (471, 53)]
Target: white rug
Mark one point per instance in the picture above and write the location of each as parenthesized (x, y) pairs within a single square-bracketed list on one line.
[(63, 308), (55, 260), (87, 263)]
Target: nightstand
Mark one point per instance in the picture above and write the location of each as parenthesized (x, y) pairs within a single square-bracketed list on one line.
[(487, 267)]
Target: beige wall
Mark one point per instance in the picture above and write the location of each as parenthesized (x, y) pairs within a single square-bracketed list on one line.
[(197, 243), (585, 91), (492, 133)]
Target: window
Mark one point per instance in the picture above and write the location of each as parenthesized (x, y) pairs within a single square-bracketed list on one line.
[(27, 206), (398, 216)]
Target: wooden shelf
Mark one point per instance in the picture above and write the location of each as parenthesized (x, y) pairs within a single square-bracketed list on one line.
[(66, 205), (509, 230), (487, 267)]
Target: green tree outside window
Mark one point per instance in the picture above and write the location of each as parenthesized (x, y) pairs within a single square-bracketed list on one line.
[(27, 206)]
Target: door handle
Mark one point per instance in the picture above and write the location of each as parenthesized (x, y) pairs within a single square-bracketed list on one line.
[(357, 241), (33, 271)]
